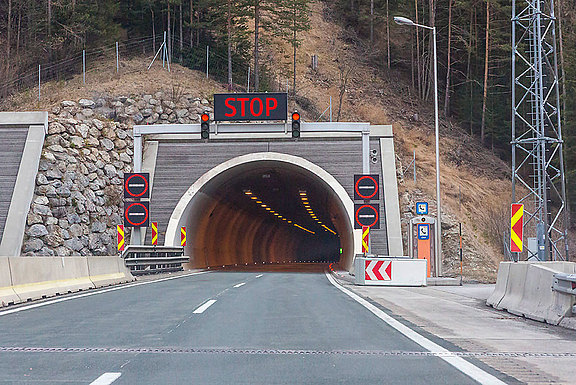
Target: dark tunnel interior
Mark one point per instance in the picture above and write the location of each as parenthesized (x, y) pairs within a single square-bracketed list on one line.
[(266, 212)]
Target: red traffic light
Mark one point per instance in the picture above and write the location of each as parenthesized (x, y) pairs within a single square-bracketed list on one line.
[(295, 116), (205, 117)]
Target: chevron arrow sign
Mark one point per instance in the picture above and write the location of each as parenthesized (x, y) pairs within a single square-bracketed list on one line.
[(378, 271)]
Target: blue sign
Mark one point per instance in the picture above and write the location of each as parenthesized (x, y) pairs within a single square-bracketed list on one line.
[(421, 208), (423, 231)]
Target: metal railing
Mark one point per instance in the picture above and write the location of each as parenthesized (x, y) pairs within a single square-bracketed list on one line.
[(154, 259)]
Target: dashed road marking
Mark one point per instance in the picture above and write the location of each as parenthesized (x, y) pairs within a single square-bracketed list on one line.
[(459, 363), (240, 284), (106, 379), (204, 306), (259, 275)]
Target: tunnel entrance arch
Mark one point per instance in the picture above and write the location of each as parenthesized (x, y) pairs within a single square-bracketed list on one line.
[(309, 215)]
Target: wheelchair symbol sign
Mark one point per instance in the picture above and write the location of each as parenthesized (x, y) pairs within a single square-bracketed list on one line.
[(423, 231)]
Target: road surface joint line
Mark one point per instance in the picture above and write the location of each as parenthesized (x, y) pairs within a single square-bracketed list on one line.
[(68, 298), (251, 351), (106, 379), (456, 361), (240, 284), (202, 308)]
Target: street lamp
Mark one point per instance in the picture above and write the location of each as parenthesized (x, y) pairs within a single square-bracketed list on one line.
[(438, 262)]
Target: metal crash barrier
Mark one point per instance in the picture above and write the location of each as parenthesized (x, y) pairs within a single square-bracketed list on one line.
[(154, 259), (565, 283)]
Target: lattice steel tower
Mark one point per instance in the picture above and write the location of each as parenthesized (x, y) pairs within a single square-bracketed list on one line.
[(537, 159)]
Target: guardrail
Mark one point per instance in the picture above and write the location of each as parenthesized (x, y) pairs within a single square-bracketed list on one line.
[(565, 283), (154, 259)]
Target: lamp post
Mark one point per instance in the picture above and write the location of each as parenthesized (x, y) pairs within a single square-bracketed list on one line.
[(438, 260)]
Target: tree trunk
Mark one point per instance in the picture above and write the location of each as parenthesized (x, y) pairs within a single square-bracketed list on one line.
[(191, 24), (229, 27), (418, 50), (431, 23), (484, 97), (294, 55), (169, 33), (412, 70), (18, 34), (198, 28), (448, 63), (371, 24), (181, 33), (256, 45), (153, 31), (9, 30), (49, 22), (388, 33), (559, 17), (469, 70)]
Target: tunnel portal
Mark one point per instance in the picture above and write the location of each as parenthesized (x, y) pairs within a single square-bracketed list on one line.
[(266, 212)]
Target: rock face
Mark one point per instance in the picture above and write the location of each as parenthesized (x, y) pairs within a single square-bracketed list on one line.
[(89, 146)]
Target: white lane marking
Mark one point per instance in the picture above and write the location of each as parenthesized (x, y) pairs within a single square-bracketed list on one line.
[(459, 363), (204, 306), (53, 301), (106, 379), (240, 284), (259, 275)]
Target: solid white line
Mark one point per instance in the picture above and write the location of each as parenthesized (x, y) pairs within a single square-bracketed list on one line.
[(240, 284), (457, 362), (106, 379), (259, 275), (205, 306), (53, 301)]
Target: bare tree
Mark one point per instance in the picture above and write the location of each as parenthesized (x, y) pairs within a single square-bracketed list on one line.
[(344, 74), (486, 53), (449, 62)]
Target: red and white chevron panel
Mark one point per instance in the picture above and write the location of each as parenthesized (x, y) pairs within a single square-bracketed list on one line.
[(378, 271)]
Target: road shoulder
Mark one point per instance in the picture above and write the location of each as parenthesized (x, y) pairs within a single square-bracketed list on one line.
[(459, 316)]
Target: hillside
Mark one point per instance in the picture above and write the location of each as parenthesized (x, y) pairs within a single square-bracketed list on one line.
[(475, 183)]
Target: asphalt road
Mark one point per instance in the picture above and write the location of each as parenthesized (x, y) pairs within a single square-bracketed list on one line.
[(243, 327)]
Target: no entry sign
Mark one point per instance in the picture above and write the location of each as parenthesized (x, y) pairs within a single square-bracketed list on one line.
[(136, 214), (366, 187), (136, 185), (251, 106), (367, 215)]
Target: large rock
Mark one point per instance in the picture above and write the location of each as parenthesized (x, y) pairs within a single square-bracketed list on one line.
[(33, 244), (86, 103), (37, 230), (107, 144), (74, 244)]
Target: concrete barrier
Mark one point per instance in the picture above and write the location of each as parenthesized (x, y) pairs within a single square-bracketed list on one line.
[(39, 277), (7, 294), (538, 297), (105, 271), (28, 278), (528, 291), (501, 283), (514, 288)]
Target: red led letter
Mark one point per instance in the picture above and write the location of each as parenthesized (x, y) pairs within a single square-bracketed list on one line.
[(252, 107), (270, 106), (230, 106), (243, 106)]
